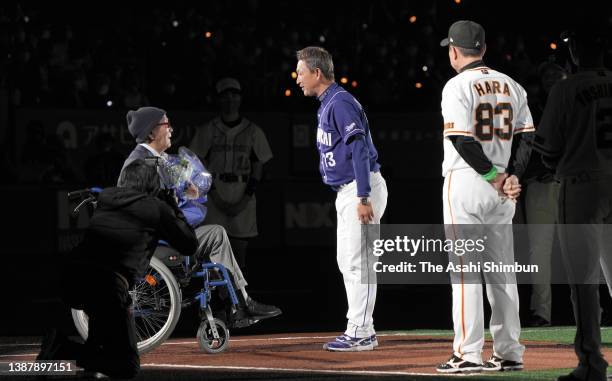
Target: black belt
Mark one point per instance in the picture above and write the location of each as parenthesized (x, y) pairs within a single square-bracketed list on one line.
[(231, 178)]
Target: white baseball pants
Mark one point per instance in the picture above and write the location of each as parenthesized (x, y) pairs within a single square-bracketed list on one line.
[(469, 199), (361, 296)]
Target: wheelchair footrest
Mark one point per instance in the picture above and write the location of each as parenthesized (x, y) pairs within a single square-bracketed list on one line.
[(242, 323)]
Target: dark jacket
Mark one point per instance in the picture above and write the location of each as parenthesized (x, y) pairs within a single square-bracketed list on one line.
[(194, 210), (124, 231), (139, 152)]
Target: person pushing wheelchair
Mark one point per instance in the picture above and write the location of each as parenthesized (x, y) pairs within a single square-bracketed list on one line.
[(152, 131), (115, 252)]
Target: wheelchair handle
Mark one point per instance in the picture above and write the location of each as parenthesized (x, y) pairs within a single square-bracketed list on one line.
[(87, 196), (84, 192), (78, 193), (86, 201)]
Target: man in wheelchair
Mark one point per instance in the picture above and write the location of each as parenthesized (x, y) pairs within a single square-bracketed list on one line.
[(152, 131), (115, 252)]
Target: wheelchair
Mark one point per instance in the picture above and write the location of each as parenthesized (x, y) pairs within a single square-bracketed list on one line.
[(157, 298)]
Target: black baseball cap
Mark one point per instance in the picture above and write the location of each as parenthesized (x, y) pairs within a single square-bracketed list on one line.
[(465, 34)]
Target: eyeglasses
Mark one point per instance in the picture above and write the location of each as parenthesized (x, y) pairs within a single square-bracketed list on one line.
[(167, 124)]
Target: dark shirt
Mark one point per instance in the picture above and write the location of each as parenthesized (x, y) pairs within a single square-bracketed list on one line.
[(574, 133), (124, 231)]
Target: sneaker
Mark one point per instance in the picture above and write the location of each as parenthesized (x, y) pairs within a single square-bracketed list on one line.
[(498, 364), (457, 365), (372, 338), (261, 311), (345, 343)]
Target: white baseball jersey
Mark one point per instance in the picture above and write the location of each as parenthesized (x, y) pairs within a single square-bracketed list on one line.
[(229, 150), (487, 105)]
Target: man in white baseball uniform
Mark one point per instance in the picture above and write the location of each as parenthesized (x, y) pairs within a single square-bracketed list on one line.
[(484, 113), (234, 150)]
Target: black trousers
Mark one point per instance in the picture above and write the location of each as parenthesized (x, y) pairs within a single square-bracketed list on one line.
[(111, 346), (585, 217)]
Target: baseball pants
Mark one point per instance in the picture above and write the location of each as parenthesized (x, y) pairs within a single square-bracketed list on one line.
[(469, 199), (361, 296)]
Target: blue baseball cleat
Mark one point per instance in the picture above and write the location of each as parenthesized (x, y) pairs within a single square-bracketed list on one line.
[(345, 343)]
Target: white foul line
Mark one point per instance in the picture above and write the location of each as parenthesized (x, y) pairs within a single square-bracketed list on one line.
[(355, 372), (261, 339), (20, 345)]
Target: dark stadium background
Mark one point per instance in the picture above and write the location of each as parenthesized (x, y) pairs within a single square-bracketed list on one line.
[(56, 58)]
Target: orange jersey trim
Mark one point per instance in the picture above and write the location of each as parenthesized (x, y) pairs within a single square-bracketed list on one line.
[(523, 129), (450, 210), (457, 132)]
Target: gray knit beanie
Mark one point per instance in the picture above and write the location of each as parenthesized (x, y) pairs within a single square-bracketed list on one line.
[(142, 121)]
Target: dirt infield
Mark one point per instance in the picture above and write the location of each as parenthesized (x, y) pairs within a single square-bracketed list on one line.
[(398, 354)]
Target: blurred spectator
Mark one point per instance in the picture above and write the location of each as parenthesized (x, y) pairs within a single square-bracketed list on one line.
[(100, 94), (59, 168), (48, 51), (541, 194), (32, 162), (103, 168), (133, 96), (166, 94)]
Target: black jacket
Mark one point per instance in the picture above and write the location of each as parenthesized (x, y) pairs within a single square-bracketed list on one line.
[(124, 231)]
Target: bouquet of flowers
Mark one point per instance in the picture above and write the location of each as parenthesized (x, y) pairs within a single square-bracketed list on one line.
[(179, 171)]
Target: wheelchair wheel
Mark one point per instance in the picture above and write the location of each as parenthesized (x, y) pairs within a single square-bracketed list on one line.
[(206, 339), (156, 303)]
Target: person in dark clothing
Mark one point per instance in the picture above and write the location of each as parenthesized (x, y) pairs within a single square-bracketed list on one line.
[(574, 139), (116, 250)]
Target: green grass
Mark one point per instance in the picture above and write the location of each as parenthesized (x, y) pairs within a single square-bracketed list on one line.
[(542, 375), (561, 335)]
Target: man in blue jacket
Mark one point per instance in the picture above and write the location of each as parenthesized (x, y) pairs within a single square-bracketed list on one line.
[(349, 165)]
